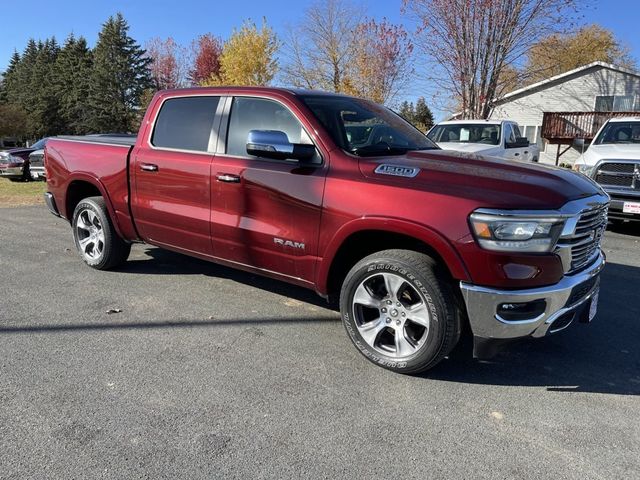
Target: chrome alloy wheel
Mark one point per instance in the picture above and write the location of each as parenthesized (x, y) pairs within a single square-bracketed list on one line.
[(90, 234), (391, 315)]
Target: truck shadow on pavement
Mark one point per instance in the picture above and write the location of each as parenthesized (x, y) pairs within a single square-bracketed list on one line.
[(603, 357), (166, 262)]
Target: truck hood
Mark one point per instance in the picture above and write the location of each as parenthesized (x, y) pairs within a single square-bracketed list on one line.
[(467, 147), (595, 153), (487, 182)]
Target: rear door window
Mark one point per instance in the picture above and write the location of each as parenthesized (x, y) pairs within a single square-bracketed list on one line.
[(185, 123)]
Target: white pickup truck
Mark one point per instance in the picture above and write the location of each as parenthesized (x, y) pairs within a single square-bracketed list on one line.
[(613, 160), (491, 138)]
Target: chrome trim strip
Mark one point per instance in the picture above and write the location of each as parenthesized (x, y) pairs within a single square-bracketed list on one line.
[(209, 152), (93, 143)]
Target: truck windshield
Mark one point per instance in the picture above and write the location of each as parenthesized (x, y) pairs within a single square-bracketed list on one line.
[(466, 133), (365, 128), (619, 132)]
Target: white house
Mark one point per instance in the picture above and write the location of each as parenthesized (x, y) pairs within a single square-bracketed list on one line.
[(553, 112)]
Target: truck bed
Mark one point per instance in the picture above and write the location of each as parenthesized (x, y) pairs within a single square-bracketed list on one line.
[(75, 163)]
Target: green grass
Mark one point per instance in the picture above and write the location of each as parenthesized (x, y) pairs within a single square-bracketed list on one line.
[(13, 194)]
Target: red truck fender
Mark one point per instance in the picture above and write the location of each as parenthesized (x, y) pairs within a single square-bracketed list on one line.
[(95, 182), (431, 238)]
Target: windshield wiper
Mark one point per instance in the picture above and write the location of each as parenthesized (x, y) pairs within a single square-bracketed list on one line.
[(377, 150)]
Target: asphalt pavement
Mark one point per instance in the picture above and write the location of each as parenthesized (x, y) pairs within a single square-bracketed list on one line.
[(207, 372)]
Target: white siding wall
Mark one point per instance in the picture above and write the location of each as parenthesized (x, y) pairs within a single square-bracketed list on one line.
[(575, 94)]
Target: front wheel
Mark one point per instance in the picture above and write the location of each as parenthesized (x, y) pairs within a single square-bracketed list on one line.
[(400, 311), (96, 240)]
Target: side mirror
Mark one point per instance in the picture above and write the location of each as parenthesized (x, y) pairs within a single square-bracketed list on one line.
[(520, 142), (578, 142), (275, 144)]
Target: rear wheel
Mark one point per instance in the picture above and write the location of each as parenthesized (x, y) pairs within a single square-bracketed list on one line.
[(96, 240), (399, 310)]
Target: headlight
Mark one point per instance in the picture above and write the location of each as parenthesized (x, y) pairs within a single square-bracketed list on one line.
[(583, 168), (514, 232)]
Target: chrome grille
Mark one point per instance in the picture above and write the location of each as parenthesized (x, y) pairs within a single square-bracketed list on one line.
[(618, 174), (584, 243)]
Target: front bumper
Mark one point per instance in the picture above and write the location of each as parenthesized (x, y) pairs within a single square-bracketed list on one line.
[(11, 172), (37, 173), (616, 207), (563, 302)]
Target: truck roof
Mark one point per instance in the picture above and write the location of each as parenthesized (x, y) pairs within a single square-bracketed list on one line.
[(231, 89), (625, 119)]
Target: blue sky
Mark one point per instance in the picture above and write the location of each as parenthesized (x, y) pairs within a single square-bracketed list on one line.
[(185, 19)]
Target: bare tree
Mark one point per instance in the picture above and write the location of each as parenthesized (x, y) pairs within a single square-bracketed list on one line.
[(381, 64), (470, 42), (320, 48), (168, 63)]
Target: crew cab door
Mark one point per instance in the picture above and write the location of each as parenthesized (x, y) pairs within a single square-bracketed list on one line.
[(171, 174), (511, 135), (265, 213)]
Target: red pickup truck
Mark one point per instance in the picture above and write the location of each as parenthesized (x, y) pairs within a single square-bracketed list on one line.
[(342, 196)]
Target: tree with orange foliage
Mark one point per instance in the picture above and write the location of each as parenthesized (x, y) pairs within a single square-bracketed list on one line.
[(248, 57), (381, 64), (557, 54), (207, 51)]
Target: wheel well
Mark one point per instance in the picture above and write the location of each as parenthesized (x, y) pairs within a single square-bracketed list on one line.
[(366, 242), (77, 191)]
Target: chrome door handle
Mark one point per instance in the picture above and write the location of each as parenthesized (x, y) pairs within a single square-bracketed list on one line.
[(148, 167), (228, 178)]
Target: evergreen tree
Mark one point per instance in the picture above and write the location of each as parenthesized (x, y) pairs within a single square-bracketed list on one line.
[(423, 116), (120, 76), (9, 77), (41, 101), (72, 80), (17, 89), (407, 111)]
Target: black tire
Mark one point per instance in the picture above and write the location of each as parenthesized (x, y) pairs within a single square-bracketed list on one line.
[(419, 274), (110, 250)]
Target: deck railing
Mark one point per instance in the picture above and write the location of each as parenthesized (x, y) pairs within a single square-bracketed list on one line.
[(564, 127)]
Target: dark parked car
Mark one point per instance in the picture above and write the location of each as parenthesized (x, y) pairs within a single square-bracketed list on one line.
[(14, 163)]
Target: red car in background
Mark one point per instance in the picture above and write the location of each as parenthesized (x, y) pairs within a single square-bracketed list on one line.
[(14, 163)]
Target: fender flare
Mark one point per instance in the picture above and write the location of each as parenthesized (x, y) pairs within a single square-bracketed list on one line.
[(91, 179), (433, 239)]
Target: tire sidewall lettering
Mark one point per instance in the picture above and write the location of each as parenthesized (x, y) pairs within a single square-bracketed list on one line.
[(352, 331)]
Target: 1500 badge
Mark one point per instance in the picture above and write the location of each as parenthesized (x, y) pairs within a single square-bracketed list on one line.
[(397, 170)]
